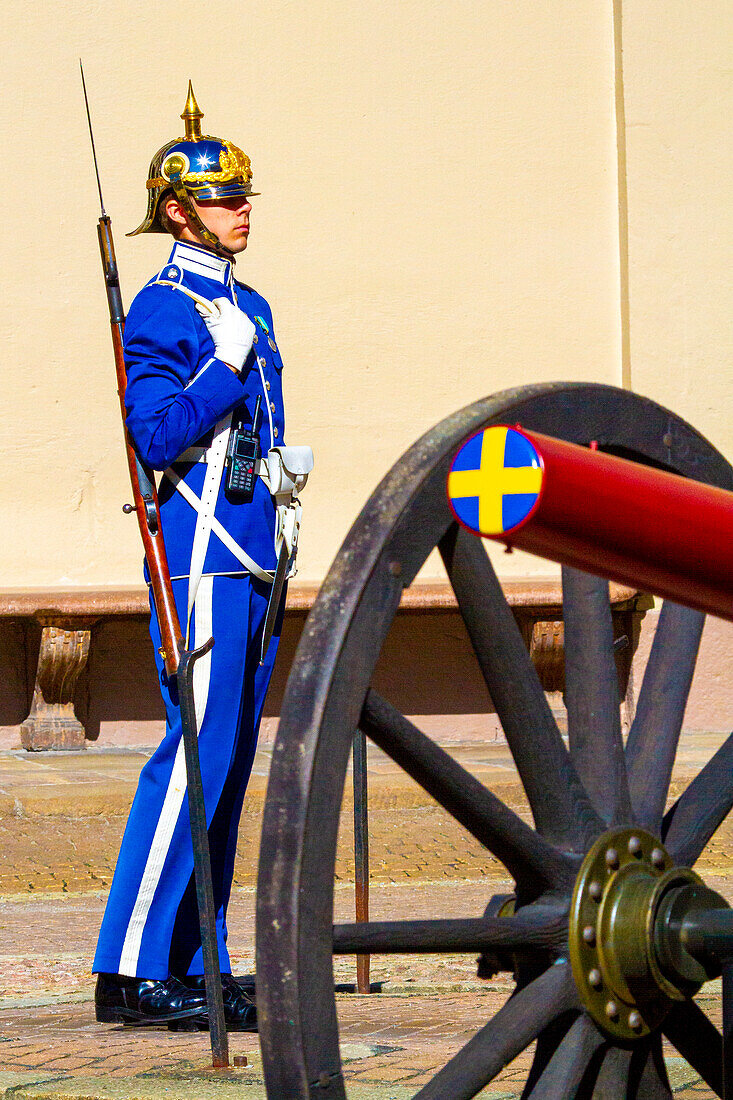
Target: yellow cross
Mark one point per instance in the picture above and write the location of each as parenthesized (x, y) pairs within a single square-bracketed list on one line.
[(492, 481)]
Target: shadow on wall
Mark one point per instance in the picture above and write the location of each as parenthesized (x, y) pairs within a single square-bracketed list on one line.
[(120, 683), (19, 645), (426, 668)]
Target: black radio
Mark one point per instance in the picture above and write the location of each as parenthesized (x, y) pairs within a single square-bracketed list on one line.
[(243, 455)]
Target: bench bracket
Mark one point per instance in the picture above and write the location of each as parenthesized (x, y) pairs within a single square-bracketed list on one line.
[(64, 650)]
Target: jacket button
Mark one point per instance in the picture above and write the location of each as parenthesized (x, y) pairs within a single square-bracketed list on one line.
[(275, 432), (272, 406)]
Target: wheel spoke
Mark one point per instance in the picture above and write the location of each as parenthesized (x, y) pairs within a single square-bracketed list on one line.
[(568, 1063), (653, 1082), (613, 1075), (652, 740), (559, 804), (697, 813), (591, 694), (505, 1036), (534, 863), (543, 928), (699, 1042), (629, 1074)]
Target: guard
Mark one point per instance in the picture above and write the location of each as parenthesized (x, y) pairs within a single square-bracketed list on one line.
[(204, 406)]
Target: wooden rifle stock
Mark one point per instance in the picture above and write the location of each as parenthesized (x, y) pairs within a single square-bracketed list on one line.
[(144, 493)]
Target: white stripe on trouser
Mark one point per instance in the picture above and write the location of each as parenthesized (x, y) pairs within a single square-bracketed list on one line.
[(174, 794), (215, 467)]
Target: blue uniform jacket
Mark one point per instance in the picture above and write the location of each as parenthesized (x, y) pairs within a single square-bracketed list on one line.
[(177, 391)]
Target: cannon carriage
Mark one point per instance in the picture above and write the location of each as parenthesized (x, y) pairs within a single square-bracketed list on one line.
[(610, 932)]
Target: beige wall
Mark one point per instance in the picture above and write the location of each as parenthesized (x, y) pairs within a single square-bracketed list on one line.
[(439, 220), (678, 138)]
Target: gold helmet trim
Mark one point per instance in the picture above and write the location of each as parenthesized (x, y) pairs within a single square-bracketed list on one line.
[(232, 163)]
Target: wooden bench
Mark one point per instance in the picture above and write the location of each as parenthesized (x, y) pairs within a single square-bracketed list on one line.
[(68, 618)]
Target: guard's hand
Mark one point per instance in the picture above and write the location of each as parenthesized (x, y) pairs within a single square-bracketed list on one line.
[(231, 330)]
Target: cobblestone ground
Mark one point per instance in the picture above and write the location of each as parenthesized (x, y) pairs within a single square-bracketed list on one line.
[(61, 819)]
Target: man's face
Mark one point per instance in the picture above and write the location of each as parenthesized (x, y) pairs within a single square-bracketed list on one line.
[(227, 218)]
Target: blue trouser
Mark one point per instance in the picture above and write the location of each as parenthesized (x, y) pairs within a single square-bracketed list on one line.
[(150, 927)]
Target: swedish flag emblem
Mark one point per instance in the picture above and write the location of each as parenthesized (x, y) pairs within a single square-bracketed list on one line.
[(495, 480)]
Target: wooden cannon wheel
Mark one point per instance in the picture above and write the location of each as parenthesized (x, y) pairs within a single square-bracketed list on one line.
[(597, 1005)]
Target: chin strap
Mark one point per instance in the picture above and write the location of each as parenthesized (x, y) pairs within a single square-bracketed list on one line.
[(184, 199)]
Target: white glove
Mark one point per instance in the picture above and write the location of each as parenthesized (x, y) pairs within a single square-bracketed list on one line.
[(231, 330)]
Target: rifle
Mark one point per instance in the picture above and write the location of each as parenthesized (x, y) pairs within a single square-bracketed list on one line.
[(178, 660)]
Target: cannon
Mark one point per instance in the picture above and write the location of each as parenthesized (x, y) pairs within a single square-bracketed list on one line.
[(610, 932)]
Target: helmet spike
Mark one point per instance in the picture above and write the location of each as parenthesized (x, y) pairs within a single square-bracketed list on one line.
[(192, 115)]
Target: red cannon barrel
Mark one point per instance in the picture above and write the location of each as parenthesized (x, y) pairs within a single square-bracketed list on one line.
[(578, 506)]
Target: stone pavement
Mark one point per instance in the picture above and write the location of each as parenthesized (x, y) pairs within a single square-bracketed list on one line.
[(61, 819)]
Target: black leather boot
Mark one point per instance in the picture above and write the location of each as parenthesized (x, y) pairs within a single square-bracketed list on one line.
[(246, 982), (240, 1011), (119, 999)]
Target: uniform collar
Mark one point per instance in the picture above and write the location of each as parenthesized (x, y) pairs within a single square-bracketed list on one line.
[(199, 261)]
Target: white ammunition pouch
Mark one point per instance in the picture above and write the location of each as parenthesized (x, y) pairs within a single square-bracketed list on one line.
[(285, 473)]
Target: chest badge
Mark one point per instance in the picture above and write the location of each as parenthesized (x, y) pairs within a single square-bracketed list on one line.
[(263, 325)]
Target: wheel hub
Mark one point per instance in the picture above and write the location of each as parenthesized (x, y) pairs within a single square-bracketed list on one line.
[(627, 908)]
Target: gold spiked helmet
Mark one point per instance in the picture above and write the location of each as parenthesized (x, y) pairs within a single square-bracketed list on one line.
[(195, 166)]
